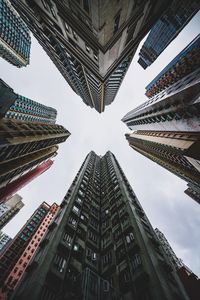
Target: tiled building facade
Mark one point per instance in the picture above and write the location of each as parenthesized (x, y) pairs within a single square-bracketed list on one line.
[(15, 38)]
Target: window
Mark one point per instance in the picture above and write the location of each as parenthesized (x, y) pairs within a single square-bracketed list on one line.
[(126, 276), (67, 239), (23, 237), (91, 255), (79, 200), (75, 35), (44, 3), (136, 261), (72, 221), (53, 12), (86, 5), (130, 237), (106, 285), (67, 27), (76, 210), (87, 48), (92, 236), (59, 263), (107, 258)]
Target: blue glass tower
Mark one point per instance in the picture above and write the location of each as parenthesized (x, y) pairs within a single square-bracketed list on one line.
[(15, 38), (166, 29)]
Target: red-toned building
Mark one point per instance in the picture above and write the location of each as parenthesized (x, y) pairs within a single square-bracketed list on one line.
[(190, 281), (10, 189), (14, 261)]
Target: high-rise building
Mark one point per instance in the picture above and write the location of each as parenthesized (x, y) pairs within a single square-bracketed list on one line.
[(9, 209), (4, 241), (14, 186), (193, 192), (33, 232), (23, 246), (7, 98), (25, 146), (189, 280), (91, 43), (167, 128), (15, 38), (175, 18), (29, 138), (174, 261), (101, 245), (184, 63), (17, 107)]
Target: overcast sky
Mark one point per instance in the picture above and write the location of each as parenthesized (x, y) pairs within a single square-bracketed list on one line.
[(160, 192)]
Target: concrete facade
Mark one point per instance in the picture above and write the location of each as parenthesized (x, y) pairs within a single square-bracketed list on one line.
[(15, 40), (23, 246), (101, 244), (91, 43), (174, 19), (10, 209)]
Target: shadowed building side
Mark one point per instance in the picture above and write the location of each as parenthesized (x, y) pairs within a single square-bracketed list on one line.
[(174, 19), (92, 43), (101, 244)]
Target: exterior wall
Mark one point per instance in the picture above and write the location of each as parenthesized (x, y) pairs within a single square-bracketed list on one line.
[(9, 257), (27, 110), (16, 185), (17, 271), (14, 169), (186, 62), (190, 281), (193, 191), (174, 109), (166, 29), (173, 259), (173, 158), (4, 241), (7, 98), (3, 209), (12, 206), (30, 138), (15, 38), (92, 44), (17, 107), (101, 244), (166, 126)]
